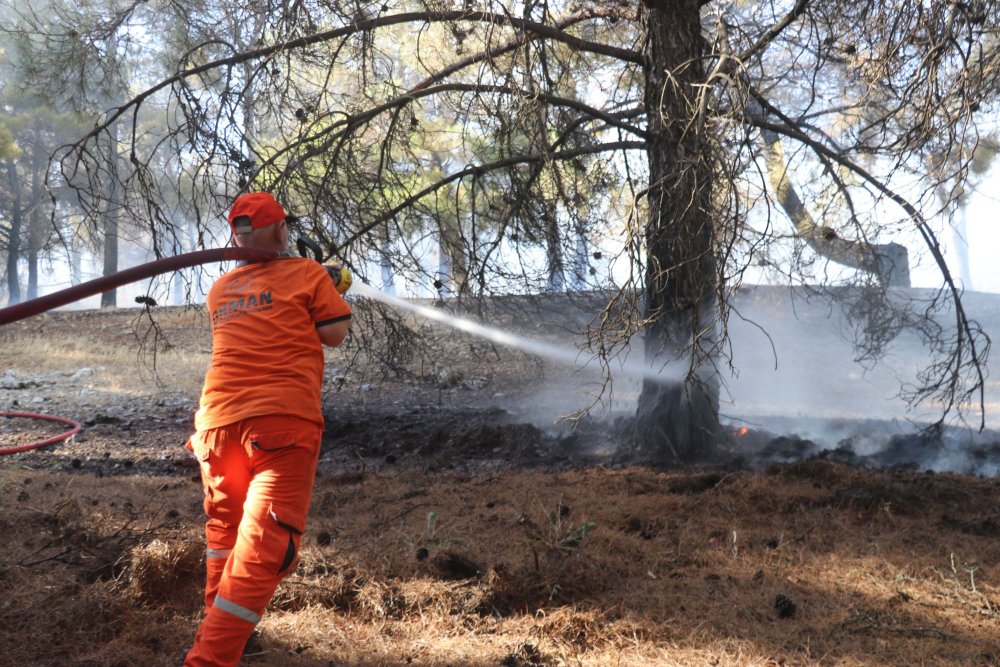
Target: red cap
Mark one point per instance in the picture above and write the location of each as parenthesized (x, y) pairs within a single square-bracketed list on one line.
[(255, 210)]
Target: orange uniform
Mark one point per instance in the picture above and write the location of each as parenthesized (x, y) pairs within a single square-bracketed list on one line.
[(259, 428)]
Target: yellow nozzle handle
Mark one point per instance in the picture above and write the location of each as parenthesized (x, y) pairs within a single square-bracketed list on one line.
[(345, 281), (341, 277)]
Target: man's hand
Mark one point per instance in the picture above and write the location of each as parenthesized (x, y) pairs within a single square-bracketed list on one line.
[(340, 275)]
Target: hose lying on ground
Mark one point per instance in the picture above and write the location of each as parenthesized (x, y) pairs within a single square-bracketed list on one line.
[(47, 441)]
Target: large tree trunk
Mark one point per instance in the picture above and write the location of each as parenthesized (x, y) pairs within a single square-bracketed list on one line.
[(677, 421)]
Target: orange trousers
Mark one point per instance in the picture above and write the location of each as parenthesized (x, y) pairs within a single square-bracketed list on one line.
[(258, 478)]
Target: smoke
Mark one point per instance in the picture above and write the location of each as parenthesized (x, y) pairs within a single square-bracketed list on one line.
[(795, 386), (798, 390), (562, 354), (797, 376)]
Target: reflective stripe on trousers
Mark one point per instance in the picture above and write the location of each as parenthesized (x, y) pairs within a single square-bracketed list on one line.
[(236, 610)]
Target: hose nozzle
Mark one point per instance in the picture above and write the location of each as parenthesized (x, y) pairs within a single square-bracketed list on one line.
[(341, 277)]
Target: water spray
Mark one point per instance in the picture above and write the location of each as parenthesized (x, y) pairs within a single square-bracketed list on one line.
[(533, 346)]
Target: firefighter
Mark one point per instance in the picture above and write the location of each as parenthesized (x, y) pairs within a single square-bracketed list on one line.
[(259, 423)]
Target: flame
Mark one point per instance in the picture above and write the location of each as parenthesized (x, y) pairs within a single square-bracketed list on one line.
[(742, 431)]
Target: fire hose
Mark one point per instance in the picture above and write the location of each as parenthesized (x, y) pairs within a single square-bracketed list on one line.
[(103, 284), (36, 306), (75, 428)]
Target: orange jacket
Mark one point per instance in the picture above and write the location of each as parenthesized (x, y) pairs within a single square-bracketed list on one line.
[(267, 358)]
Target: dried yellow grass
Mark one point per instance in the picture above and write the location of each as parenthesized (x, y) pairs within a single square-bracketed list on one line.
[(160, 571), (674, 571), (126, 351), (588, 567)]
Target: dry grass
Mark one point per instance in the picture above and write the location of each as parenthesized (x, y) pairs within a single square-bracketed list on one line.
[(126, 352), (430, 569)]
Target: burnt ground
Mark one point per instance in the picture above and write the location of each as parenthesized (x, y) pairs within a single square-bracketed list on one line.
[(457, 521)]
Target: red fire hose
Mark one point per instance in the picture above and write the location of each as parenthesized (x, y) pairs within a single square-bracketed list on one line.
[(47, 441), (103, 284), (41, 304)]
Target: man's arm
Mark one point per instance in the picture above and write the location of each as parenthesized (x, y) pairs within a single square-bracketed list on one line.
[(333, 334)]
